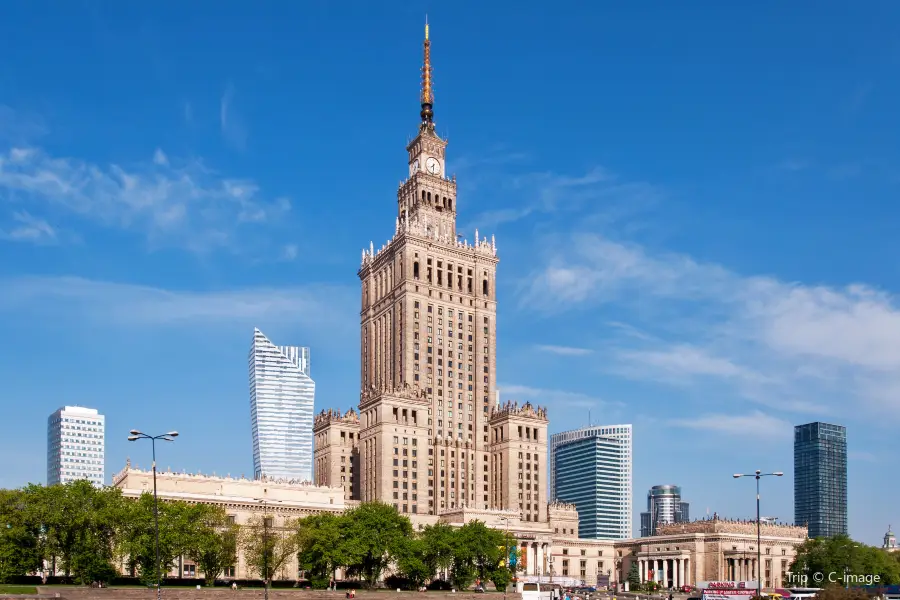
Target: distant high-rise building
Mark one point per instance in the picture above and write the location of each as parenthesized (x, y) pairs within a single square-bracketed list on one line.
[(282, 396), (75, 446), (820, 478), (591, 468), (664, 506)]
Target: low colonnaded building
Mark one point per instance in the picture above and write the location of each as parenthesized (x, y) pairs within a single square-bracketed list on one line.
[(680, 554)]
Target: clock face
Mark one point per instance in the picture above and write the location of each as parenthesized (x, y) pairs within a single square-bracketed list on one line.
[(433, 166), (414, 167)]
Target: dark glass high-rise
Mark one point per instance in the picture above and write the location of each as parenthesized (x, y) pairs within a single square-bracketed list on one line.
[(820, 478)]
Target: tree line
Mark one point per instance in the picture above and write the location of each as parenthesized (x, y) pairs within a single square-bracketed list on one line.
[(84, 532), (841, 556)]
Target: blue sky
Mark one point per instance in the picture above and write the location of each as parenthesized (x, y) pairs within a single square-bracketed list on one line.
[(695, 208)]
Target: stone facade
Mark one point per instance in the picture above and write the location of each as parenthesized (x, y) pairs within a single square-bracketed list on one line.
[(336, 456), (242, 499), (682, 554), (714, 550)]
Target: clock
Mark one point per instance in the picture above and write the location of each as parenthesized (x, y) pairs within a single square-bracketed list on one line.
[(414, 166), (433, 165)]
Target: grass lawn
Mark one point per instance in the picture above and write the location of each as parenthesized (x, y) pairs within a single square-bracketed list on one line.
[(18, 589)]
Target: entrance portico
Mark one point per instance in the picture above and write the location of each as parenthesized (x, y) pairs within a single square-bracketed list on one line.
[(668, 570)]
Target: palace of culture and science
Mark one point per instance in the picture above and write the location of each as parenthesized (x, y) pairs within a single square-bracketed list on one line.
[(430, 436)]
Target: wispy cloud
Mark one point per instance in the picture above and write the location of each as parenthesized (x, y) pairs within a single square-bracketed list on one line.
[(290, 251), (27, 228), (756, 424), (555, 398), (234, 131), (516, 193), (140, 305), (795, 164), (565, 350), (785, 345), (172, 203)]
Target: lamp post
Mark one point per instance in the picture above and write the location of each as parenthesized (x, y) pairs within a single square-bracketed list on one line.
[(757, 475), (508, 550), (264, 504), (135, 435)]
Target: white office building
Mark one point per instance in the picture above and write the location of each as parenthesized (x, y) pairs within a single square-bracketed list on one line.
[(282, 398), (75, 445), (591, 468)]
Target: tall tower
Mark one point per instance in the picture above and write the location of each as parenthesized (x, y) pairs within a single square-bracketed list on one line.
[(282, 395), (427, 331), (518, 451), (591, 468), (337, 451), (76, 445), (820, 478)]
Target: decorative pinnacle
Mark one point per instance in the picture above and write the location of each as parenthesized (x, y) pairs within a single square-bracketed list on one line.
[(427, 92)]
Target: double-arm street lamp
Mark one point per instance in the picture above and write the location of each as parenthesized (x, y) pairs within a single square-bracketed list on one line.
[(134, 436), (759, 474)]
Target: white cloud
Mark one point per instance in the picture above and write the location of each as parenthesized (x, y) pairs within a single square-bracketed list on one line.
[(554, 398), (27, 228), (787, 345), (565, 350), (290, 251), (546, 193), (132, 304), (233, 129), (160, 158), (755, 424), (186, 206)]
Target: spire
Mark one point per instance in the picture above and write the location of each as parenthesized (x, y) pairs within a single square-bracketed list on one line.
[(427, 92)]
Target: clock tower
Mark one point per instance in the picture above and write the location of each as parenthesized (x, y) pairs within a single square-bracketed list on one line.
[(427, 343)]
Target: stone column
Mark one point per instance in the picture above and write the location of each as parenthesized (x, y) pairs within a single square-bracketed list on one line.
[(680, 572), (665, 571)]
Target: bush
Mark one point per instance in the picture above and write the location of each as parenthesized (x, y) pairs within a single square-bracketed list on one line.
[(393, 582), (319, 582), (501, 578), (439, 585)]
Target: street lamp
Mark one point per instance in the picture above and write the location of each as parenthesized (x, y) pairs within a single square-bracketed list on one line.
[(265, 503), (509, 562), (165, 437), (757, 475)]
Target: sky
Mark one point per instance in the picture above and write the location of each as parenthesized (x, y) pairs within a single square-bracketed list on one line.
[(694, 203)]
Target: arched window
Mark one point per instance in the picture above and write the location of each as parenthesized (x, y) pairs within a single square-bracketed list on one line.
[(450, 203), (416, 270)]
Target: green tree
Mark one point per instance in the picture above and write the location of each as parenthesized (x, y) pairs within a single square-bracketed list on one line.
[(376, 536), (411, 563), (840, 556), (212, 543), (322, 546), (478, 552), (177, 525), (20, 546), (634, 577), (267, 545), (79, 524), (438, 544), (501, 577)]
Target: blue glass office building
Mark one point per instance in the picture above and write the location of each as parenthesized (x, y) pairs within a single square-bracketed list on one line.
[(282, 397), (591, 468), (820, 478)]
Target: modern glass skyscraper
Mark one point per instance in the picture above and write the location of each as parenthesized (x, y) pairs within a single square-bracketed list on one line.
[(282, 396), (820, 478), (75, 445), (591, 468), (664, 505)]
